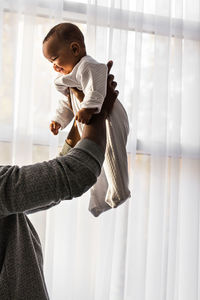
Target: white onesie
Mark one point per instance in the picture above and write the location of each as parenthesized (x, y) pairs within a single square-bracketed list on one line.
[(111, 188)]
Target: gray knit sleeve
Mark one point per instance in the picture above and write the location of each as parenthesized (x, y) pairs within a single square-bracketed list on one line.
[(44, 184)]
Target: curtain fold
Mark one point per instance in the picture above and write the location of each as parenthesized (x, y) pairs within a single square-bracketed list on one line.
[(148, 248)]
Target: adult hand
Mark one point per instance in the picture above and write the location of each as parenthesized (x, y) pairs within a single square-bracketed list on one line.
[(111, 94), (96, 129), (78, 94)]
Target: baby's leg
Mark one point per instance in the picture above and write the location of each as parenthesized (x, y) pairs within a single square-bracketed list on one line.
[(72, 139), (111, 188), (98, 193), (116, 165), (65, 149)]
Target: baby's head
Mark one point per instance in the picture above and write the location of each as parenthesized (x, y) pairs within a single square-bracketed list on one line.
[(64, 46)]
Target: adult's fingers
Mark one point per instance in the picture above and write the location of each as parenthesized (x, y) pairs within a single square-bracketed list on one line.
[(109, 65), (114, 84), (79, 94), (74, 90), (116, 93), (110, 78)]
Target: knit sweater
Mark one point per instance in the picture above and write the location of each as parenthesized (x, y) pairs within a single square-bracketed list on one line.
[(29, 189)]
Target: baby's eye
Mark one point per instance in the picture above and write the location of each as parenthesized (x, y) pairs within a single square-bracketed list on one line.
[(54, 58)]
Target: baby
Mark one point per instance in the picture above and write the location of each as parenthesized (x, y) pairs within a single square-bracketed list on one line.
[(64, 47)]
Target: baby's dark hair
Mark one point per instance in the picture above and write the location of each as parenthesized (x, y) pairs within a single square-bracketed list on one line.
[(66, 32)]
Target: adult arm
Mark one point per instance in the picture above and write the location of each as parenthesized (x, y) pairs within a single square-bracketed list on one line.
[(45, 184)]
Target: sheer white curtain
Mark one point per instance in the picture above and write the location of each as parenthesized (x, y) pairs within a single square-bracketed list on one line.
[(147, 249)]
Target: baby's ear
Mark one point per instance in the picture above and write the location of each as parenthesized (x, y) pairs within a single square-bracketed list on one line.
[(75, 47)]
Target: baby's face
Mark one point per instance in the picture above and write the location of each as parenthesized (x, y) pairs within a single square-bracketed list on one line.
[(60, 54)]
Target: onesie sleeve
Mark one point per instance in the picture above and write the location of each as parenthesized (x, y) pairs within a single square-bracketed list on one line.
[(94, 83), (64, 113), (42, 185)]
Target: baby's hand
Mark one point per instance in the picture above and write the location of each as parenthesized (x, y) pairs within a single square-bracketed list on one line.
[(84, 115), (54, 127)]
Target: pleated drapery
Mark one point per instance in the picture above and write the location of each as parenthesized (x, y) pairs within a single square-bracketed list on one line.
[(148, 248)]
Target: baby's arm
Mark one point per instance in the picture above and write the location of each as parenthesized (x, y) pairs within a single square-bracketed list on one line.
[(93, 82), (54, 127), (64, 115)]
